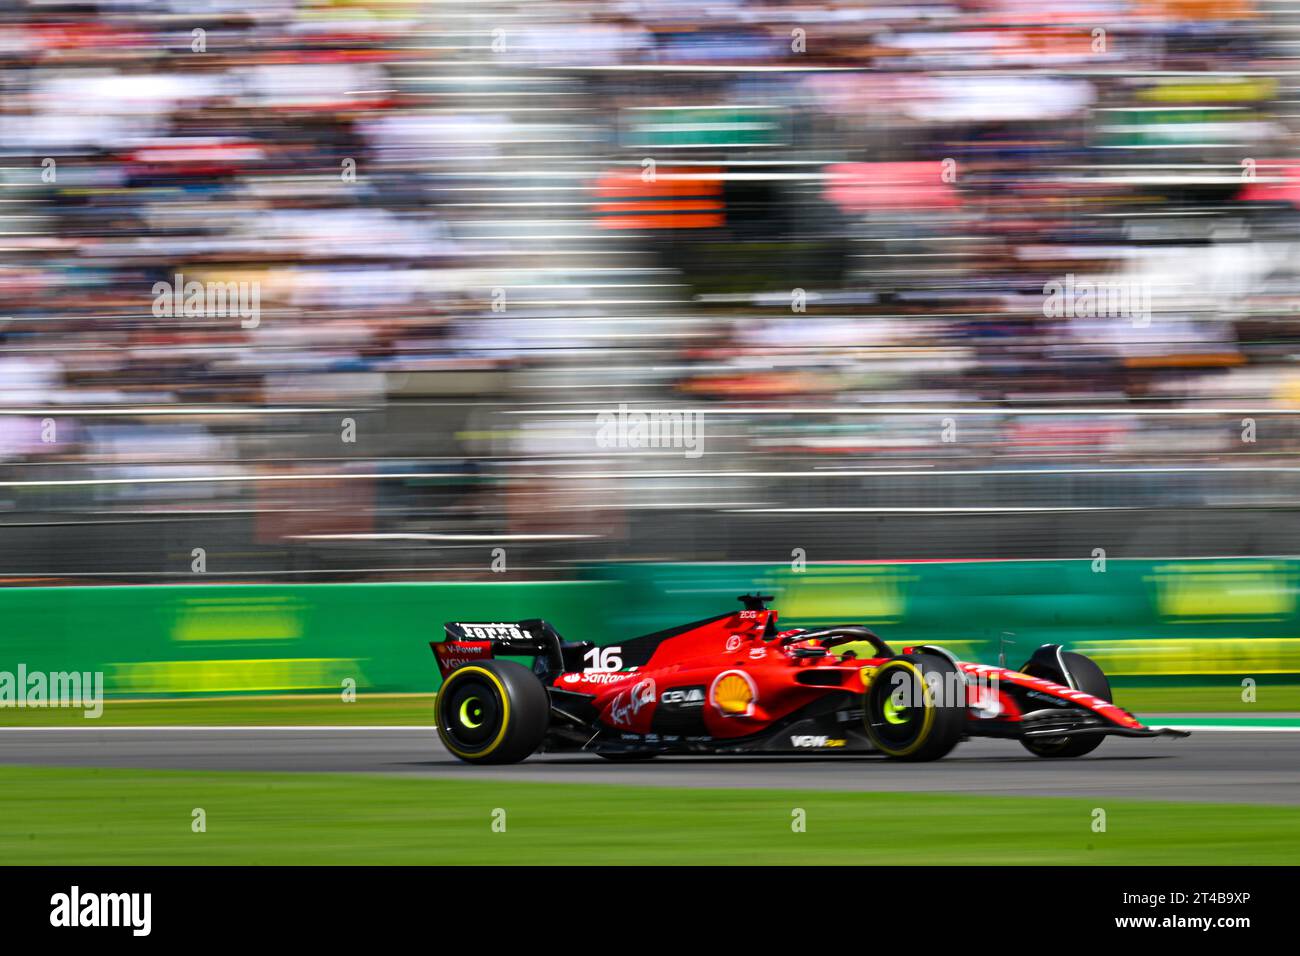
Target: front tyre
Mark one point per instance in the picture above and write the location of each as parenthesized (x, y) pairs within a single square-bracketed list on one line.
[(1090, 679), (914, 708), (492, 712)]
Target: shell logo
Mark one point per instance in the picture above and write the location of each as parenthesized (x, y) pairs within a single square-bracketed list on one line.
[(733, 693)]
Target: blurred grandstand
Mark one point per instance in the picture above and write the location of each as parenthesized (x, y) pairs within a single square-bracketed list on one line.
[(827, 226)]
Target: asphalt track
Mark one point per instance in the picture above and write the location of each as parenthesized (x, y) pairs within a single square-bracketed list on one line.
[(1226, 767)]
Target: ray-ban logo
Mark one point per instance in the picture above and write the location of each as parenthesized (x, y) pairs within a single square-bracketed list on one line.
[(75, 908)]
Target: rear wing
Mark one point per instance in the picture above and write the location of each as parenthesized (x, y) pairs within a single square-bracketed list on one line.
[(470, 641)]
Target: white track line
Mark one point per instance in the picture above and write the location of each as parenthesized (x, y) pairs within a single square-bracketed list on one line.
[(1204, 728)]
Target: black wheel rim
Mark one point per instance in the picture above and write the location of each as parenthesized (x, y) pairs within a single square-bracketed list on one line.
[(470, 713), (896, 708)]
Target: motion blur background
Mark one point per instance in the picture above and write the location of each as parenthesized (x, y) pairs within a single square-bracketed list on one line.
[(474, 226)]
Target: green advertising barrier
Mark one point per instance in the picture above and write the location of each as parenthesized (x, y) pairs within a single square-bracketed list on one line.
[(1160, 621), (263, 639), (1142, 619)]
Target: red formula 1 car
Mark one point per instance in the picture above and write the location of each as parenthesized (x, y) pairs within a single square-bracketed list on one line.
[(735, 683)]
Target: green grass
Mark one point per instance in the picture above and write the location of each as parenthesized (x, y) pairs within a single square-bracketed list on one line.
[(81, 817), (412, 709), (1223, 698)]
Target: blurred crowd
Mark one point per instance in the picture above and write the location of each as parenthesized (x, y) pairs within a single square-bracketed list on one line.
[(334, 275)]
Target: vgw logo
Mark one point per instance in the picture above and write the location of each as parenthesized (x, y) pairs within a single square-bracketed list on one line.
[(103, 909), (816, 742)]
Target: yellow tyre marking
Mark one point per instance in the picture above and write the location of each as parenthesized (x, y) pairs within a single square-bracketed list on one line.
[(465, 715), (894, 713)]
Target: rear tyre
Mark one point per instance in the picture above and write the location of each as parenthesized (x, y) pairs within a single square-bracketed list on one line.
[(492, 712), (913, 710), (1090, 679)]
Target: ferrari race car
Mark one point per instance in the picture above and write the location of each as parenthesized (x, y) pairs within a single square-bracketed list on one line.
[(735, 683)]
